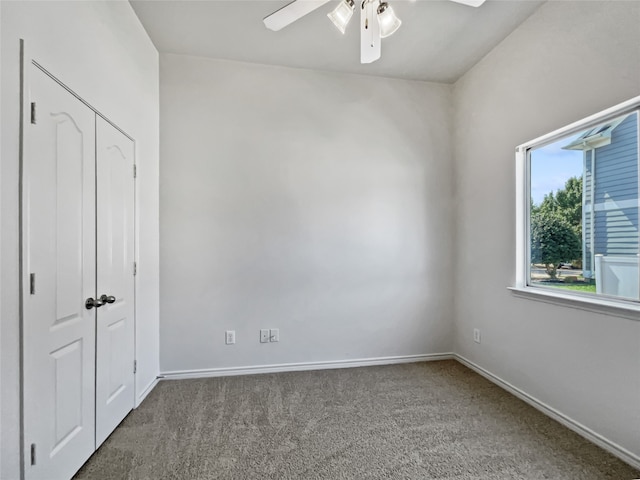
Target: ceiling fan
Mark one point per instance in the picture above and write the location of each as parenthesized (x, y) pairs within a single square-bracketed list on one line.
[(377, 20)]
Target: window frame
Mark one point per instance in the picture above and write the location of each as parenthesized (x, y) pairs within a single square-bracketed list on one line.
[(601, 303)]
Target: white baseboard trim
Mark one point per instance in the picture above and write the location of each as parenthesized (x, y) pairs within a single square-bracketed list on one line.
[(146, 391), (293, 367), (611, 447)]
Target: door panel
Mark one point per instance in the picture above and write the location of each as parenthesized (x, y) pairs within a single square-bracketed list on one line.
[(59, 254), (67, 372), (115, 256)]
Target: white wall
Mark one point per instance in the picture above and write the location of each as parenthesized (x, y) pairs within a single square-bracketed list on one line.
[(1, 224), (100, 50), (316, 203), (569, 60)]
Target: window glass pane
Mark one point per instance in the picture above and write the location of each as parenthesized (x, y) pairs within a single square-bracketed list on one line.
[(584, 211)]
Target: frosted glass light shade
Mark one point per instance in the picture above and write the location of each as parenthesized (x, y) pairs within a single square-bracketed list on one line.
[(342, 14), (387, 19)]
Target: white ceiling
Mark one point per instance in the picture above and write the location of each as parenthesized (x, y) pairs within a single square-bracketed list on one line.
[(438, 41)]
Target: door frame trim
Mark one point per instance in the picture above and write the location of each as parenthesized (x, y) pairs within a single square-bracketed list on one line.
[(21, 238)]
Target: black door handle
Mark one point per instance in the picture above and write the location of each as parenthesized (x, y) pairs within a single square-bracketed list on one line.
[(90, 303), (107, 299)]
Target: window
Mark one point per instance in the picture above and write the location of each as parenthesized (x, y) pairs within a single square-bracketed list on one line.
[(578, 208)]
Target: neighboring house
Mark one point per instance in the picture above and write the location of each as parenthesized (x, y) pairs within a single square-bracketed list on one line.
[(610, 201)]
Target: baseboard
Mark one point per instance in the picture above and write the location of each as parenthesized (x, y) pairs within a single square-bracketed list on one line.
[(292, 367), (146, 391), (611, 447)]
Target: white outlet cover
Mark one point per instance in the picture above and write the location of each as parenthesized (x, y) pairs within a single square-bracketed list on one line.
[(274, 335), (230, 337), (264, 335)]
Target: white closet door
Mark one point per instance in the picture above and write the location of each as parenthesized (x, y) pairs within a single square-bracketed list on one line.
[(115, 257), (59, 268)]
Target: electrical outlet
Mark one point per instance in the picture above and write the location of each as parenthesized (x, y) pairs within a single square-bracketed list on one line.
[(264, 335), (230, 337), (274, 335), (476, 335)]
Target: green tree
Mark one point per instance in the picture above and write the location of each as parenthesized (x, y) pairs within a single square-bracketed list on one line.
[(553, 240), (570, 202), (567, 203)]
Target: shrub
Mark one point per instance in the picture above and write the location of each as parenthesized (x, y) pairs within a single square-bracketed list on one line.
[(553, 241)]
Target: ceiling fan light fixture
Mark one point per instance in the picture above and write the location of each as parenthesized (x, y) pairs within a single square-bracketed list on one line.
[(342, 14), (387, 19)]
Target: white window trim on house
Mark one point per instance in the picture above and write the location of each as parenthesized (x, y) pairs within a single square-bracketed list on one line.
[(600, 304)]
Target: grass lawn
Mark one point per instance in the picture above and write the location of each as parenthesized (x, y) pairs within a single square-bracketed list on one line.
[(579, 288)]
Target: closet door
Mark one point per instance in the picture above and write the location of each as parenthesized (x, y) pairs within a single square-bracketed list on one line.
[(59, 272), (115, 257)]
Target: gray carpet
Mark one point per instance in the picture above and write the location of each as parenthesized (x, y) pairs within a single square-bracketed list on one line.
[(435, 420)]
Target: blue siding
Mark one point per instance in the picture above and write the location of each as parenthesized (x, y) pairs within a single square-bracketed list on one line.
[(621, 227), (616, 180)]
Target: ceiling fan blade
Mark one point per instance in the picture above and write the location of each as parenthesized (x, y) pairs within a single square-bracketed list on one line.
[(370, 41), (291, 12), (471, 3)]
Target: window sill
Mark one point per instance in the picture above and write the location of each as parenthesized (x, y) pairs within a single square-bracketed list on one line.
[(628, 310)]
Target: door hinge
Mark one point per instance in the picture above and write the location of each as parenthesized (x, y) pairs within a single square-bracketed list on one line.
[(135, 268), (32, 283), (135, 171), (33, 454), (135, 366), (33, 113)]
